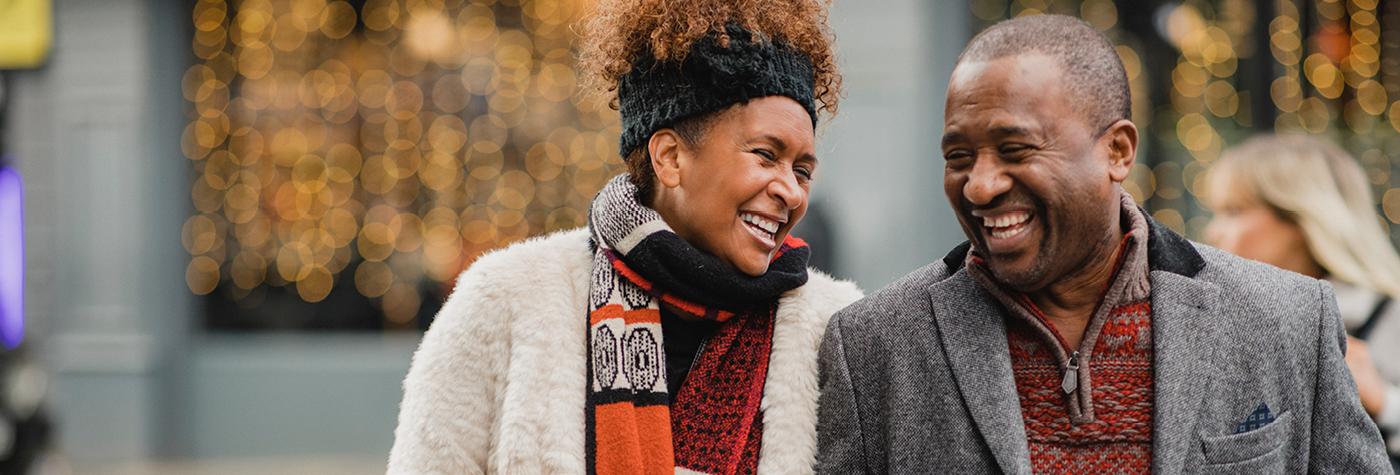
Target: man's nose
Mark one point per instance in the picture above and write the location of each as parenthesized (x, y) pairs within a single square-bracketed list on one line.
[(986, 182)]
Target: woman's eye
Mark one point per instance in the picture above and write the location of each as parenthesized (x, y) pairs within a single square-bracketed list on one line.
[(765, 153), (804, 173)]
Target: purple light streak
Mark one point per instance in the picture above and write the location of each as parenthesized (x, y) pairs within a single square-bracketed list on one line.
[(11, 258)]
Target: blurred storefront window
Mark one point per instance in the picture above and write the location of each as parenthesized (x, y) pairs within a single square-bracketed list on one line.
[(349, 159)]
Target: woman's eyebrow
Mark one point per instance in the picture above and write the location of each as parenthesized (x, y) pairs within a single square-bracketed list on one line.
[(782, 145), (775, 140)]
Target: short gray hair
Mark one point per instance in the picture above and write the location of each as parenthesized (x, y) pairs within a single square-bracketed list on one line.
[(1093, 72)]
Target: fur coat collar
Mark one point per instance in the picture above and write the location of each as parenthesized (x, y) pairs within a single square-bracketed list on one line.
[(497, 385)]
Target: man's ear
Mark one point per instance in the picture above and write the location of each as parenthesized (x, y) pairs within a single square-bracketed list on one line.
[(665, 150), (1122, 139)]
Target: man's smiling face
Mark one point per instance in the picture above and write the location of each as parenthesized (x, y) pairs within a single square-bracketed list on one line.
[(1027, 176)]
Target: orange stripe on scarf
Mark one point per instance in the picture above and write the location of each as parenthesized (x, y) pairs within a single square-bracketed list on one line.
[(624, 449), (629, 317), (674, 301)]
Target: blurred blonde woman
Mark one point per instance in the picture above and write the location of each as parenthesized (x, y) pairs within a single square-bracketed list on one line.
[(1303, 204)]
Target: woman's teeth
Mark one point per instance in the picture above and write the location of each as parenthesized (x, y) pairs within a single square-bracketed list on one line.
[(765, 224)]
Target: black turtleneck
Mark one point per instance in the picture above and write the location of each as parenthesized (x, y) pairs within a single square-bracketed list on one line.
[(683, 339)]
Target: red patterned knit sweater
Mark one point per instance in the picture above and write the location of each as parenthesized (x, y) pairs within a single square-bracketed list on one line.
[(1115, 435), (1104, 425)]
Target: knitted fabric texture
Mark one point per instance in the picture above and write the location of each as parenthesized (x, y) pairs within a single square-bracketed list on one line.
[(714, 424), (618, 221), (1118, 439), (1105, 424), (656, 95)]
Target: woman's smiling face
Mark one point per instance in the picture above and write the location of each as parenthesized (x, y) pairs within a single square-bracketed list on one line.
[(741, 188)]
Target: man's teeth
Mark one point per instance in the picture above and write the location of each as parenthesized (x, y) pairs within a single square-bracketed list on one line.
[(762, 223), (1006, 220), (1002, 233)]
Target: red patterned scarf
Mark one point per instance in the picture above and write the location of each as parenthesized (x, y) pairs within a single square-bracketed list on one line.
[(714, 425)]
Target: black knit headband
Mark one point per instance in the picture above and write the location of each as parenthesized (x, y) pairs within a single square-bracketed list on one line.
[(656, 95)]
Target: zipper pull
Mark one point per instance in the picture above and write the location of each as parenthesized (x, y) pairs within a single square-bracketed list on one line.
[(1071, 381)]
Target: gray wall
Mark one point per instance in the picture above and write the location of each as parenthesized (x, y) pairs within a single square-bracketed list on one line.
[(295, 395), (96, 134), (882, 168)]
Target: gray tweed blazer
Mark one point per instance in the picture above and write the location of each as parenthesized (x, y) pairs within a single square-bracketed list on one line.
[(916, 378)]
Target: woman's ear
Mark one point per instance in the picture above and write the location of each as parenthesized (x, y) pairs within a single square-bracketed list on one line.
[(1122, 139), (665, 150)]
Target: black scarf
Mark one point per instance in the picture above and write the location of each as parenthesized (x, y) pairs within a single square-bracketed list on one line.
[(715, 424)]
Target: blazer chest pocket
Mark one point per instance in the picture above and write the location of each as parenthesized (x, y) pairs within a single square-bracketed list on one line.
[(1256, 451)]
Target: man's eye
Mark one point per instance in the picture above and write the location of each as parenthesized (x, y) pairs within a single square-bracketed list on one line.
[(1012, 149), (957, 155), (804, 173), (763, 152)]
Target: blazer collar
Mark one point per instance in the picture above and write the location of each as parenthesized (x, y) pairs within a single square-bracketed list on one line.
[(970, 325), (1167, 251), (1184, 340)]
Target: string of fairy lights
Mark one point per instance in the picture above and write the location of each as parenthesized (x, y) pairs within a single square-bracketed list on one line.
[(388, 143), (1329, 67)]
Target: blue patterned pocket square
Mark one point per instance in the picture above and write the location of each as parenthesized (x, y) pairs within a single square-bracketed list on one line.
[(1261, 417)]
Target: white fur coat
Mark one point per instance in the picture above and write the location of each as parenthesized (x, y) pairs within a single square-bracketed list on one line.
[(498, 383)]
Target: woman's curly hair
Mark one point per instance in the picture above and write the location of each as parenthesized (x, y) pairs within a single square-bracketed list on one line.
[(620, 31)]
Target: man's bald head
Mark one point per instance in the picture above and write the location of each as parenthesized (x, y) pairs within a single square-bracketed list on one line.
[(1093, 73)]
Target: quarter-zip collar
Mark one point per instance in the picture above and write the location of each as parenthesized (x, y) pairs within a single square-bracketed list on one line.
[(1130, 283)]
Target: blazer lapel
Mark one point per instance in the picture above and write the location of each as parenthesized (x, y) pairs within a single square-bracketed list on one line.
[(974, 339), (1184, 342)]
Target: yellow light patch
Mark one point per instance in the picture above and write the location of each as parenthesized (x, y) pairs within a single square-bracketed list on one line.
[(26, 33)]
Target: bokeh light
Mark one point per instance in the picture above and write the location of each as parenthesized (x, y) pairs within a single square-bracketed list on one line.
[(378, 150)]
